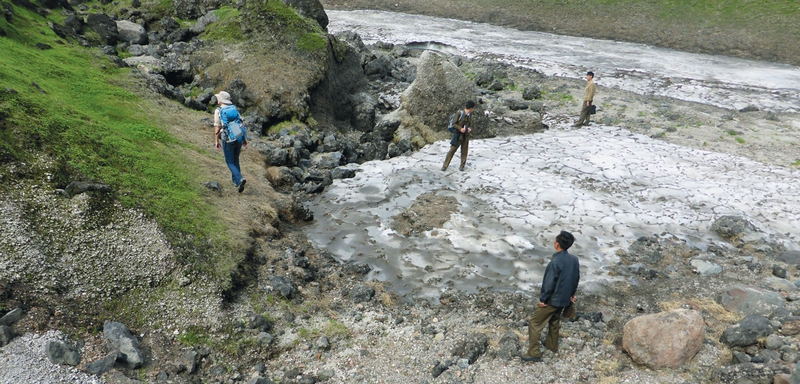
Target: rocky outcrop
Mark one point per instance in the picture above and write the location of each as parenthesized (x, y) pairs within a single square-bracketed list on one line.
[(310, 8), (131, 32), (439, 90), (666, 339)]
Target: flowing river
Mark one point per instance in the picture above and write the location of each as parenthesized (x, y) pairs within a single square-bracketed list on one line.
[(518, 193)]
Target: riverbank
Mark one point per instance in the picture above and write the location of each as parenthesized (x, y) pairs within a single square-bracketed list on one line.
[(754, 30)]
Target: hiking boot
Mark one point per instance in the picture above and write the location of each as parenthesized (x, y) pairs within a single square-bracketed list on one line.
[(444, 168), (530, 359), (461, 168), (241, 185)]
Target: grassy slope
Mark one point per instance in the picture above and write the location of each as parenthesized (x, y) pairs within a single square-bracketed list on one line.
[(94, 121), (80, 121), (766, 30)]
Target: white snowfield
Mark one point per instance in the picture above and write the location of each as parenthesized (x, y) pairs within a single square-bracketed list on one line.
[(604, 184)]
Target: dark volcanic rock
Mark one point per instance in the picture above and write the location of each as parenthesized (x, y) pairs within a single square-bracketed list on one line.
[(104, 26), (471, 347), (747, 332), (362, 293), (62, 353)]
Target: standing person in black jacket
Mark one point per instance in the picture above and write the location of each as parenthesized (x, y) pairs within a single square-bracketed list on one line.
[(559, 284)]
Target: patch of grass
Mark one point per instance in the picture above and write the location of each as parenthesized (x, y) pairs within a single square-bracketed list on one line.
[(335, 328), (796, 163), (312, 41), (732, 132), (193, 337), (740, 140), (228, 28), (305, 32)]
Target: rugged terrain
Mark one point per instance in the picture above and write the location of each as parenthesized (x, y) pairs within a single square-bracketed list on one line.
[(251, 300)]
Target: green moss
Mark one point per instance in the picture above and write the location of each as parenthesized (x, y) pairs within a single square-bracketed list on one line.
[(193, 337), (312, 42), (740, 140), (228, 28)]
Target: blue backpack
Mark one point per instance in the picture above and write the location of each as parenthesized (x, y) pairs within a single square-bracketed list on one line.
[(233, 126)]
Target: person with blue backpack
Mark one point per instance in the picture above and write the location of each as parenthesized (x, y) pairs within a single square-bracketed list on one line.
[(230, 134)]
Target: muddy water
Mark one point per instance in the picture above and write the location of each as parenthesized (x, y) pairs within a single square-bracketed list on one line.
[(716, 80)]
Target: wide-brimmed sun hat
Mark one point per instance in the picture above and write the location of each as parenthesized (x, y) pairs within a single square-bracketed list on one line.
[(223, 97)]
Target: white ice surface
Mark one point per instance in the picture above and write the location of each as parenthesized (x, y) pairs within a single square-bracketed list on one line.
[(604, 184)]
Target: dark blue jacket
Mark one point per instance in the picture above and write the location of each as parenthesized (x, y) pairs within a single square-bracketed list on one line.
[(561, 279)]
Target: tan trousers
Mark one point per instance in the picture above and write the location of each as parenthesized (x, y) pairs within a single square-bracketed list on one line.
[(542, 316), (463, 142), (585, 115)]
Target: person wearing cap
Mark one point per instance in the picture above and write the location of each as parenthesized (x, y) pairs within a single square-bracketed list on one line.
[(232, 149), (588, 97), (559, 284), (462, 126)]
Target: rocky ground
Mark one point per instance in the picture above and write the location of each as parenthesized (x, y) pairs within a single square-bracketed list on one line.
[(302, 317)]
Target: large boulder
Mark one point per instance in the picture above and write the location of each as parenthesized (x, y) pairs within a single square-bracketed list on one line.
[(104, 26), (666, 339), (439, 90), (131, 32), (310, 8), (746, 300), (747, 332)]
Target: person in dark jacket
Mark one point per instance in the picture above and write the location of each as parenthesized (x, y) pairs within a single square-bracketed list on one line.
[(462, 127), (559, 284)]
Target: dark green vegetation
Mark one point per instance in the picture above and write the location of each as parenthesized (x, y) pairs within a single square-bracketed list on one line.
[(767, 30)]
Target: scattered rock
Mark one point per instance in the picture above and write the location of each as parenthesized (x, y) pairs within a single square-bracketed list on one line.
[(509, 346), (6, 335), (103, 365), (62, 353), (131, 32), (284, 286), (121, 340), (705, 268), (471, 347), (532, 92), (749, 108), (322, 344), (11, 317), (362, 293), (751, 300), (747, 332)]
